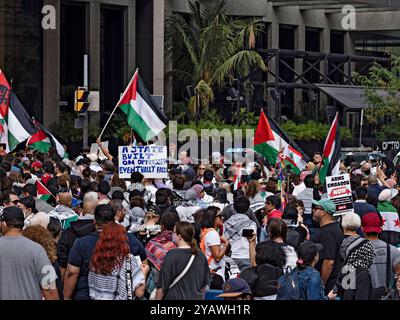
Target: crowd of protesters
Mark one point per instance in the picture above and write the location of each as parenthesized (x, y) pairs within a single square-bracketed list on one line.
[(234, 230)]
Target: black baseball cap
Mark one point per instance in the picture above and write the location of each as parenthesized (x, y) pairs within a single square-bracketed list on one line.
[(29, 202), (12, 213), (308, 250), (104, 213)]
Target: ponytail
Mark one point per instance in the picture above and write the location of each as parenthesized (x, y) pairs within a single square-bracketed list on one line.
[(302, 264), (194, 247)]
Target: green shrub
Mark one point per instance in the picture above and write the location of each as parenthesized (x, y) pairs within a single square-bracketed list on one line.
[(311, 130)]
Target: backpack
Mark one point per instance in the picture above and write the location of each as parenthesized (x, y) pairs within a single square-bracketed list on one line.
[(289, 285)]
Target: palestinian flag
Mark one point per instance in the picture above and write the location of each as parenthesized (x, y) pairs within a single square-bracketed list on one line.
[(4, 96), (276, 146), (142, 113), (331, 155), (390, 217), (42, 140), (42, 191), (15, 121)]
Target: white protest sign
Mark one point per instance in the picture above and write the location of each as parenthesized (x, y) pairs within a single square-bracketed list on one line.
[(151, 161), (95, 148), (339, 191)]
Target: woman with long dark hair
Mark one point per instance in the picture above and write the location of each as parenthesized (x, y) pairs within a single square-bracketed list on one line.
[(184, 274), (213, 245), (114, 272)]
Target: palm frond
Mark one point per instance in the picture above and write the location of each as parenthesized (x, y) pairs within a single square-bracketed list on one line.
[(242, 64)]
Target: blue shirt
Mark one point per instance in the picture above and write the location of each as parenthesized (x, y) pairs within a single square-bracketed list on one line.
[(81, 254)]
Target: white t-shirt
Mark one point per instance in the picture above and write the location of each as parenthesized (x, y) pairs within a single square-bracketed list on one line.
[(240, 247), (186, 213), (212, 239), (291, 256), (299, 188)]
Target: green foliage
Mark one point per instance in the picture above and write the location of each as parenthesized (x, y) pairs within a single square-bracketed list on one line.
[(208, 47), (245, 118), (389, 131), (382, 93), (311, 130)]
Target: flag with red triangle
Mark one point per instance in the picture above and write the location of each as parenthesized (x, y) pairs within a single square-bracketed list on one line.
[(330, 165), (42, 140), (275, 145), (143, 115), (42, 192)]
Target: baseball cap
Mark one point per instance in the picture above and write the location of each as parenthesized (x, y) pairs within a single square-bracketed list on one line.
[(12, 213), (104, 213), (36, 164), (326, 204), (309, 249), (387, 194), (371, 222), (234, 288), (29, 202)]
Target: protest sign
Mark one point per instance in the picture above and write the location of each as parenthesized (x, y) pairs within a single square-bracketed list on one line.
[(339, 191), (95, 149), (151, 161)]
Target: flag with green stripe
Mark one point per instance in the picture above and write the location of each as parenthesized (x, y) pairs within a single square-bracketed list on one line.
[(143, 115), (42, 140), (16, 125), (270, 141)]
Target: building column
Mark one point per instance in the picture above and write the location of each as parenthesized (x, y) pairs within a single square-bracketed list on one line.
[(300, 45), (350, 49), (325, 40), (51, 69), (93, 47), (158, 47), (2, 34), (93, 43), (273, 43), (130, 31), (168, 99)]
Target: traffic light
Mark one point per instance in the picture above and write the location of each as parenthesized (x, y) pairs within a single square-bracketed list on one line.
[(82, 100)]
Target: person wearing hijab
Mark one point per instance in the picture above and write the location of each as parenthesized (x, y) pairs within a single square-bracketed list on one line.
[(354, 282)]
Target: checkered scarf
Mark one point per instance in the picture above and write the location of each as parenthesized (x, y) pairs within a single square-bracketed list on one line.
[(361, 256)]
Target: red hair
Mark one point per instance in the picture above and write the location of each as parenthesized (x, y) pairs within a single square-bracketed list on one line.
[(111, 249)]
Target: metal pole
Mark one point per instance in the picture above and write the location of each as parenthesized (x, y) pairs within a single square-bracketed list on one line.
[(85, 115), (197, 105), (361, 126)]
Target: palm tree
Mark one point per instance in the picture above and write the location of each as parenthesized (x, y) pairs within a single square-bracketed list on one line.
[(208, 48)]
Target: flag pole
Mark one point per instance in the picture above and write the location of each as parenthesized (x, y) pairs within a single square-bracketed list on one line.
[(112, 113)]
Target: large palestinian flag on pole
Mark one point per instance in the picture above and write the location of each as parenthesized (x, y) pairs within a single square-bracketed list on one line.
[(331, 155), (143, 115), (274, 144), (16, 124), (42, 140)]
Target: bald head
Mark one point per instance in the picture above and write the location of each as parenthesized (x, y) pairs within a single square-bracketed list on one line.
[(89, 206), (65, 199), (372, 179)]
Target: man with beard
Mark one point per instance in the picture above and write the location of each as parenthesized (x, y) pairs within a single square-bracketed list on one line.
[(330, 236)]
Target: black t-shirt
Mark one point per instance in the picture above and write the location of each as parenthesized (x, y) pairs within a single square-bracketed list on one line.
[(331, 237), (191, 285)]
